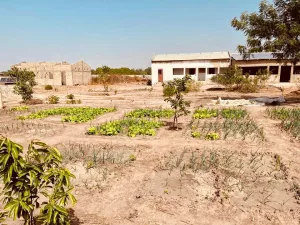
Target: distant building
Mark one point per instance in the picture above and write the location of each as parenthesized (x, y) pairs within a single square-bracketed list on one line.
[(203, 66), (61, 73)]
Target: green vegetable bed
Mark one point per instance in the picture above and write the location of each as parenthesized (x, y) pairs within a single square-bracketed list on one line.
[(70, 114), (131, 127), (150, 113)]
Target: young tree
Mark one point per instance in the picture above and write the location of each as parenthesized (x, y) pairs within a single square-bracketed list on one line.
[(176, 88), (26, 179), (24, 82), (275, 28)]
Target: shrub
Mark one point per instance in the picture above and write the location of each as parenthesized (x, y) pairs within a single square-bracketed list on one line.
[(149, 82), (212, 136), (234, 79), (193, 86), (70, 96), (26, 177), (53, 99), (48, 87), (168, 90), (72, 100)]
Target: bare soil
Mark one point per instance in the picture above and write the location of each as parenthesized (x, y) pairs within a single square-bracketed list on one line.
[(254, 183)]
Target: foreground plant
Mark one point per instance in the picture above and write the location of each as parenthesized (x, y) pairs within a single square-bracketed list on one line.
[(176, 88), (28, 177)]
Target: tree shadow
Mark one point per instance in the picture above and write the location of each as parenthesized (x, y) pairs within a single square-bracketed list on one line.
[(73, 218)]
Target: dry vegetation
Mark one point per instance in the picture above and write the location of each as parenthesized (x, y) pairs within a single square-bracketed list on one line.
[(225, 166)]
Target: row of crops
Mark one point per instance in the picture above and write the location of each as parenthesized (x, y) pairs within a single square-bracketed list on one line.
[(289, 117), (214, 124), (207, 123)]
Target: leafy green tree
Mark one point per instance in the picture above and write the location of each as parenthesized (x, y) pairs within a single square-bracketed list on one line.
[(24, 82), (26, 179), (176, 88), (275, 28), (148, 71)]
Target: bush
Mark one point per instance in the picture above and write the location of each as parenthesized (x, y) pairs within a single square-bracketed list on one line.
[(234, 79), (193, 86), (70, 96), (53, 99), (168, 90), (149, 82), (48, 87)]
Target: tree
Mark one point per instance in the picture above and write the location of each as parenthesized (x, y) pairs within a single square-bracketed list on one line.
[(275, 28), (148, 71), (26, 179), (174, 95), (24, 82), (104, 77)]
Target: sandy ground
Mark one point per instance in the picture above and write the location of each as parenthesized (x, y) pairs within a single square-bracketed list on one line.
[(160, 187)]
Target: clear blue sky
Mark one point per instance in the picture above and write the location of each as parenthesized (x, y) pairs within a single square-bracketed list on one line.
[(115, 32)]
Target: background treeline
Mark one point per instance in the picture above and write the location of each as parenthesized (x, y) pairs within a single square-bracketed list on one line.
[(121, 71)]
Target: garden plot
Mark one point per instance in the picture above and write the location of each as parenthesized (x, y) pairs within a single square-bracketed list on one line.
[(227, 122), (290, 119), (222, 175), (137, 122), (96, 164), (70, 114)]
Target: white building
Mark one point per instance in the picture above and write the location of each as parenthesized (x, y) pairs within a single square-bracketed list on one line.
[(201, 66)]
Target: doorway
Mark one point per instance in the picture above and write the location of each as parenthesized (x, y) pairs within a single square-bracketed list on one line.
[(285, 74), (160, 75), (63, 78)]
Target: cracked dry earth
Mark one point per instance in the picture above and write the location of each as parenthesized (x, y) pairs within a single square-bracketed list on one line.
[(237, 181)]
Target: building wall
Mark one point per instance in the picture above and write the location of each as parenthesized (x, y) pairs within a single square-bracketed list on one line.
[(167, 68), (58, 73), (268, 63)]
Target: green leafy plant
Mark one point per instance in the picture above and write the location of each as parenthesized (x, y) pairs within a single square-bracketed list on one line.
[(132, 127), (205, 113), (26, 179), (150, 113), (53, 99), (212, 136), (196, 134), (233, 113), (132, 157), (24, 82), (19, 108), (175, 97), (48, 87), (70, 114)]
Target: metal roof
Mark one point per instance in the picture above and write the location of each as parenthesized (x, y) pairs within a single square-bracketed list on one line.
[(253, 56), (191, 56)]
